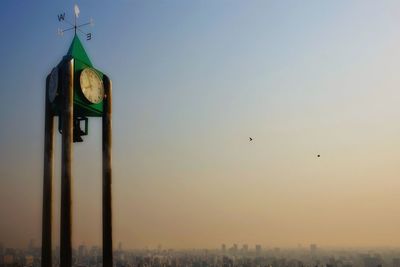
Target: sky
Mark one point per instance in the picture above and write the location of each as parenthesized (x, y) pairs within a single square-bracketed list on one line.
[(192, 81)]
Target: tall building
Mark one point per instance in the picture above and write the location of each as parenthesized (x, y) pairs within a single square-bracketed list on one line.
[(82, 251), (235, 248), (245, 248), (31, 245), (258, 249), (223, 248)]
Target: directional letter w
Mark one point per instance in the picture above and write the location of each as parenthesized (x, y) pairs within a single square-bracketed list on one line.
[(61, 16)]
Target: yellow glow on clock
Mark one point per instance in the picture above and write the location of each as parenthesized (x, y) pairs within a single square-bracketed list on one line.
[(91, 86)]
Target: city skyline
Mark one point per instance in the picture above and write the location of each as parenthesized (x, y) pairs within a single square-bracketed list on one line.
[(234, 248), (276, 257), (227, 247)]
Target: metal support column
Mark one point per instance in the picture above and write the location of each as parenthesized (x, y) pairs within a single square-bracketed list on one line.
[(107, 175), (47, 182), (66, 161)]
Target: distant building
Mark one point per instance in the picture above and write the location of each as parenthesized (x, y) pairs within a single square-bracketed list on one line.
[(295, 263), (29, 259), (258, 249), (31, 245), (396, 262), (372, 261), (8, 259), (313, 248), (245, 248), (82, 251), (235, 248), (95, 255), (223, 248)]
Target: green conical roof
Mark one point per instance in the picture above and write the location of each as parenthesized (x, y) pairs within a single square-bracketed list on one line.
[(77, 51)]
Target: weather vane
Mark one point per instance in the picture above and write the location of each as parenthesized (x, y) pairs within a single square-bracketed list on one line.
[(74, 26)]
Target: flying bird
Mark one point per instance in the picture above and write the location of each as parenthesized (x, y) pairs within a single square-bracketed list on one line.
[(250, 139), (318, 156)]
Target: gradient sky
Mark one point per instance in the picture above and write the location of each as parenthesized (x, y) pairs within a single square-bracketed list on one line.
[(192, 81)]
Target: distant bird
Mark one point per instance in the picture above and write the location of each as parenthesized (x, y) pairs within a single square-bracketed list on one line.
[(250, 139), (318, 156)]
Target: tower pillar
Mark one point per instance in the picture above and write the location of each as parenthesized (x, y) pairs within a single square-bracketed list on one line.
[(107, 175), (67, 88), (47, 182)]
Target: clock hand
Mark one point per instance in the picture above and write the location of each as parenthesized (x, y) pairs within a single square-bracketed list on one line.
[(90, 84)]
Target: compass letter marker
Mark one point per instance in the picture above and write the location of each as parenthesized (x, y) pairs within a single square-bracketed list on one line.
[(61, 17)]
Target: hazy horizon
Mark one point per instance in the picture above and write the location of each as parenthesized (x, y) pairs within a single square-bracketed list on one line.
[(216, 247), (193, 80)]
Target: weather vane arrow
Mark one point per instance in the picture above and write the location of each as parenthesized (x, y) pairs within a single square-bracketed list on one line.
[(75, 26)]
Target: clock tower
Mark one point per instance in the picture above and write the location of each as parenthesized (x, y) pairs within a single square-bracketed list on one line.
[(75, 91), (88, 85)]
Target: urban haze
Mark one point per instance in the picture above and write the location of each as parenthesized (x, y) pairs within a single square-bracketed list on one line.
[(244, 133)]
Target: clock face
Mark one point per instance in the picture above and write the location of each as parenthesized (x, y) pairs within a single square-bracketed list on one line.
[(91, 86), (53, 84)]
